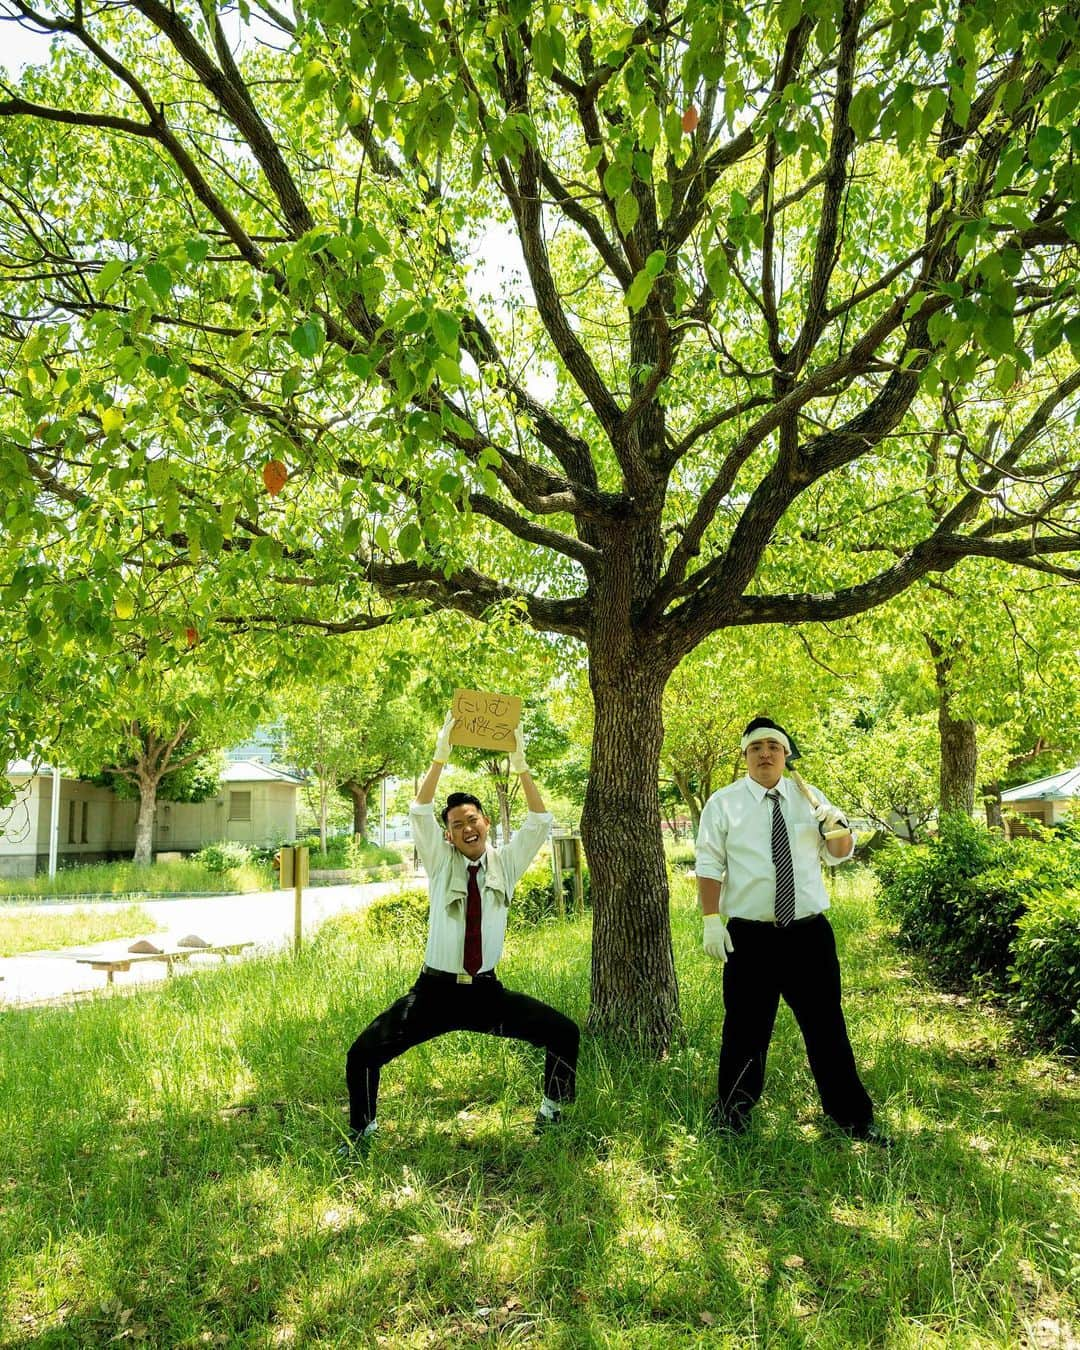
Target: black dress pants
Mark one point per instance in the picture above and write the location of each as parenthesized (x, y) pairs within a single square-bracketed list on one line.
[(799, 965), (437, 1003)]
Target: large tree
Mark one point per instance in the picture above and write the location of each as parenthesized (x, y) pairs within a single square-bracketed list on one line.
[(759, 243)]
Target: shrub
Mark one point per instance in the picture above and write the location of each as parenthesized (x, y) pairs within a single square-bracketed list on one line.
[(401, 914), (534, 895), (986, 911), (362, 857), (224, 856), (681, 853), (1046, 971), (928, 889)]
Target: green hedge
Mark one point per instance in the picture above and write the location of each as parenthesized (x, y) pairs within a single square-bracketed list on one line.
[(1046, 970), (990, 913)]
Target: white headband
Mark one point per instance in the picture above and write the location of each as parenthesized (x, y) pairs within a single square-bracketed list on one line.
[(765, 734)]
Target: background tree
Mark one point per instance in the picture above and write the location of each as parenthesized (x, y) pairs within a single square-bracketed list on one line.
[(159, 732), (762, 247), (355, 723)]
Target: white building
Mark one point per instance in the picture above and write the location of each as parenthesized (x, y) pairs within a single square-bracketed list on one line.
[(255, 804), (1047, 800)]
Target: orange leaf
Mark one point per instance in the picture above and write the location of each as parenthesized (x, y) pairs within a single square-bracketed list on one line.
[(192, 635), (690, 119), (275, 475)]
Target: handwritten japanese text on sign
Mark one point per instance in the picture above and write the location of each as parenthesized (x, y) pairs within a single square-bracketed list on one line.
[(485, 721)]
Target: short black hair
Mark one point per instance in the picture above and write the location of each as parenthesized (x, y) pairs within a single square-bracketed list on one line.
[(462, 799)]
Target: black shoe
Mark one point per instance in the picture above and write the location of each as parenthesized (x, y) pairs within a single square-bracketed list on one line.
[(545, 1124), (726, 1123), (870, 1133)]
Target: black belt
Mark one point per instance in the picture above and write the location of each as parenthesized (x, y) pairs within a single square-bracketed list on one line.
[(771, 923), (451, 978)]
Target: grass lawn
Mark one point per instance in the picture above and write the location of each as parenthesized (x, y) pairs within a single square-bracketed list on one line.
[(107, 880), (49, 932), (167, 1172)]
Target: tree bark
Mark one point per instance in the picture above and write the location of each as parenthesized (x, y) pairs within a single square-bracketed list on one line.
[(358, 792), (991, 796), (959, 750), (635, 995), (144, 821)]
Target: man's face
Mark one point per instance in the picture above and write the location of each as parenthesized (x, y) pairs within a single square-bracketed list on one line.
[(467, 829), (765, 761)]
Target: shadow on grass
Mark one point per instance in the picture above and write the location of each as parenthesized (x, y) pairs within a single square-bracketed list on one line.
[(170, 1177)]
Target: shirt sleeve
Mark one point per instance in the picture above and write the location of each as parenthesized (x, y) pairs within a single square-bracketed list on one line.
[(427, 836), (711, 854), (524, 846), (830, 859)]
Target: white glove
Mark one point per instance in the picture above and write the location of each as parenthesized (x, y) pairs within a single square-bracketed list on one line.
[(716, 941), (517, 755), (829, 818), (442, 741)]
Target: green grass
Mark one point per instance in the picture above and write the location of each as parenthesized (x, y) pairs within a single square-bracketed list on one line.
[(49, 932), (125, 878), (170, 1179)]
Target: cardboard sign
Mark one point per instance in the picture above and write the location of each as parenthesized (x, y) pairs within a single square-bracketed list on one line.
[(485, 721)]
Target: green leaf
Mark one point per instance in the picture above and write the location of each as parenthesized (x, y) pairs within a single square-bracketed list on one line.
[(160, 279), (626, 212), (447, 331), (408, 540), (617, 179), (307, 338), (111, 272), (656, 262), (640, 289), (864, 111)]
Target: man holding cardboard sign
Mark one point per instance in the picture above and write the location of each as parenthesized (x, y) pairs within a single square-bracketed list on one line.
[(470, 885)]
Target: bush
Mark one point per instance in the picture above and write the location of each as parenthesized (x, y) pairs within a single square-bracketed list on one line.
[(362, 857), (224, 856), (928, 889), (988, 912), (680, 853), (1046, 972), (534, 896), (402, 914)]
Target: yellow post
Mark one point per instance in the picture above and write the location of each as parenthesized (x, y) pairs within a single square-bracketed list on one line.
[(300, 878)]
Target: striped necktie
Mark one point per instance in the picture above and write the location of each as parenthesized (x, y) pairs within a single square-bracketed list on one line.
[(784, 905)]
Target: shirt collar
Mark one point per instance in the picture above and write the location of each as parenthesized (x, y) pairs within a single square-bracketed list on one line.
[(759, 792)]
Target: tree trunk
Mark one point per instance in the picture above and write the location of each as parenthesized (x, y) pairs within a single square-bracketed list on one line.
[(959, 751), (690, 797), (324, 811), (358, 792), (991, 795), (635, 995), (144, 822)]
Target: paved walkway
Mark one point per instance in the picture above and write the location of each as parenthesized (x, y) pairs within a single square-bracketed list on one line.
[(264, 918)]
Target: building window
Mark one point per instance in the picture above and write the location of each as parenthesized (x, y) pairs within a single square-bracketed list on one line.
[(239, 805), (71, 823), (85, 833)]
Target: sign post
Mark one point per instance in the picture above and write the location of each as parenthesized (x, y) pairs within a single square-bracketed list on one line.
[(295, 872)]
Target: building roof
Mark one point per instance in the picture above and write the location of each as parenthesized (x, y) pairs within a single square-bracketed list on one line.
[(1059, 787), (254, 771), (237, 771)]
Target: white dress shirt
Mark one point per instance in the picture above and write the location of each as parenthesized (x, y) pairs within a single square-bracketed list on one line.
[(500, 870), (734, 847)]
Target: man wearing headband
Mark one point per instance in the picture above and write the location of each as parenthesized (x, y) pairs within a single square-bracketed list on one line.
[(760, 846)]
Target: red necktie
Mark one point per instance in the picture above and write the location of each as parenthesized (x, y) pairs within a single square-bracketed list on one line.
[(474, 958)]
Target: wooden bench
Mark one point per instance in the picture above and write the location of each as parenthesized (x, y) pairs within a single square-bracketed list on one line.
[(124, 961)]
